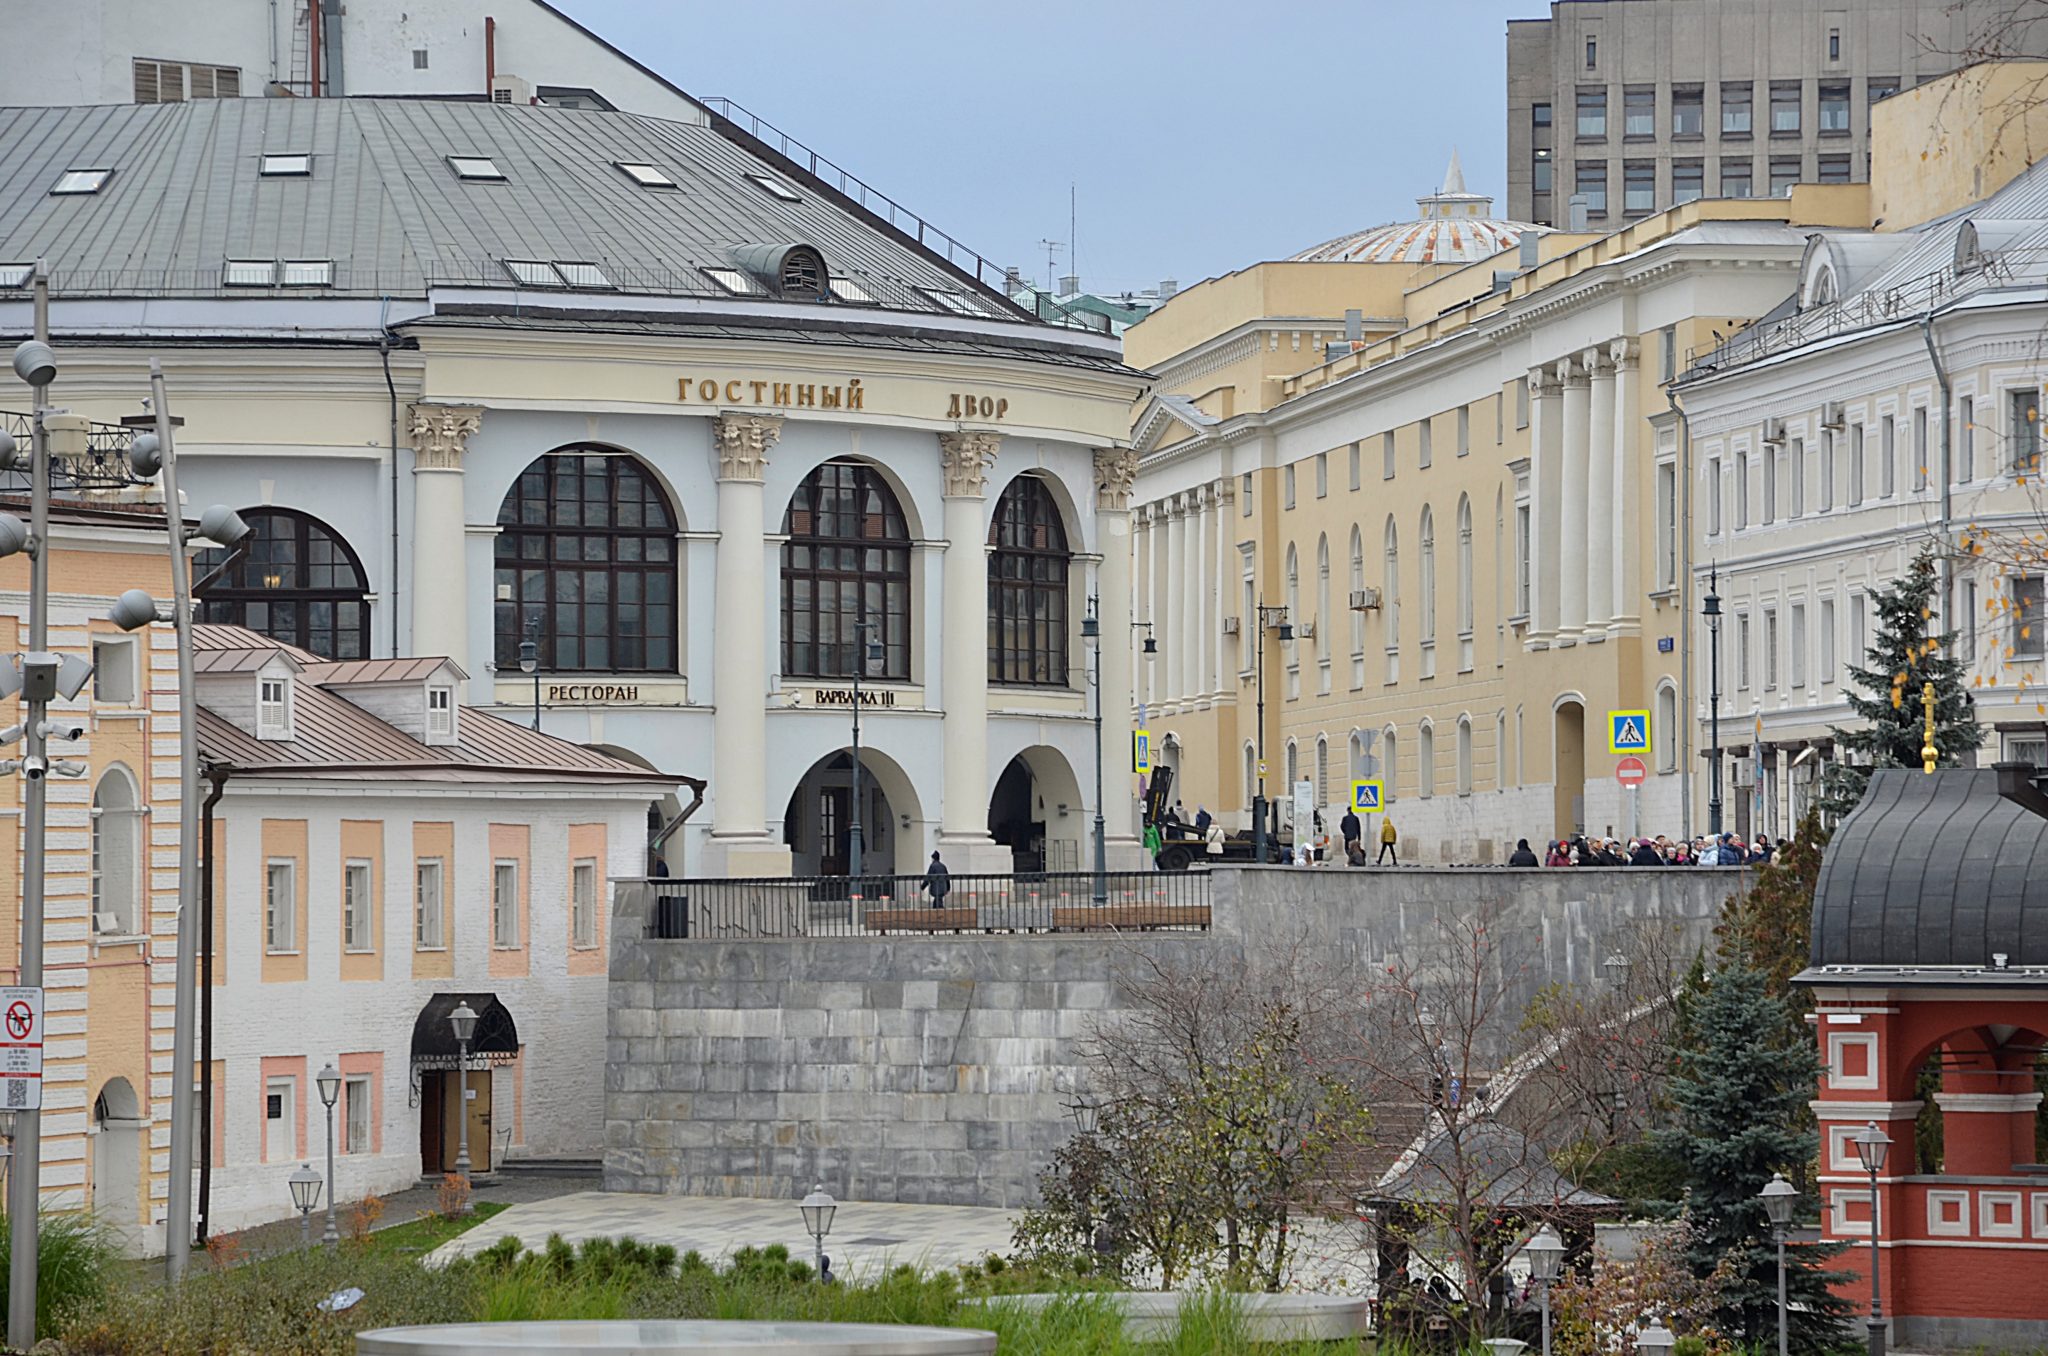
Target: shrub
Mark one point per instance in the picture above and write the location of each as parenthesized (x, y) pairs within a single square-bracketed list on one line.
[(361, 1220), (451, 1198), (74, 1260)]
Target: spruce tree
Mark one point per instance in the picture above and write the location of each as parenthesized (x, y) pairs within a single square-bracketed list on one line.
[(1737, 1102), (1885, 692)]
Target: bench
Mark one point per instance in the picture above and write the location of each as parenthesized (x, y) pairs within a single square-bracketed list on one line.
[(1131, 917), (922, 920)]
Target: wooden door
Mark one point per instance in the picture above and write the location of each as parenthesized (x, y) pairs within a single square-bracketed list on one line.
[(430, 1123), (835, 820), (479, 1119)]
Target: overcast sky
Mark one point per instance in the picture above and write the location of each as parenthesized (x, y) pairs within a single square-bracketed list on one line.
[(1199, 135)]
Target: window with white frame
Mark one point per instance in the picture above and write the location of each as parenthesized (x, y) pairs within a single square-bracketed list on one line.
[(1287, 485), (1742, 647), (1357, 613), (2025, 607), (1856, 454), (1887, 451), (1664, 728), (1387, 455), (273, 708), (1354, 465), (1770, 648), (440, 714), (358, 1096), (1859, 629), (1770, 487), (280, 906), (117, 855), (1741, 490), (1322, 475), (504, 903), (1521, 402), (1966, 440), (358, 908), (114, 678), (1967, 609), (1919, 447), (1464, 430), (583, 901), (280, 1120), (2023, 436), (1827, 641), (1464, 756), (1424, 444), (1667, 524), (1798, 455), (1425, 762), (1827, 471), (1797, 644), (430, 910), (1713, 488)]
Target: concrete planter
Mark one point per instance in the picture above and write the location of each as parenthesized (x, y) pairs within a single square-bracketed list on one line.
[(1150, 1315)]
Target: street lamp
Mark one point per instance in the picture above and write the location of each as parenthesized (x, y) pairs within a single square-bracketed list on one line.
[(1091, 635), (1778, 1197), (1710, 608), (463, 1022), (869, 651), (305, 1185), (818, 1209), (1873, 1146), (1274, 618), (1545, 1251), (1086, 1114), (529, 663), (329, 1080), (1655, 1340)]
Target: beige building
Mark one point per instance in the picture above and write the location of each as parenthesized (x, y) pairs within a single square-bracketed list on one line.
[(1640, 104), (1471, 526)]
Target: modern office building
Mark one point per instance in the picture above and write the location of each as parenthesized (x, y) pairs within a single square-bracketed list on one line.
[(1639, 104)]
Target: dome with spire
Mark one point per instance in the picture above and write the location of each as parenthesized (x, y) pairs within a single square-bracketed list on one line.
[(1452, 226)]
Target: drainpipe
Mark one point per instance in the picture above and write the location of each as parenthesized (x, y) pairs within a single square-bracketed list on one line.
[(490, 55), (1685, 730), (217, 773), (1947, 476), (391, 389)]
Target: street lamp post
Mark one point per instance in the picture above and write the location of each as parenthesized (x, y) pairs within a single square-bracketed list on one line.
[(1779, 1196), (1655, 1340), (1872, 1147), (1091, 635), (818, 1209), (1710, 608), (463, 1022), (1276, 618), (305, 1185), (329, 1080), (865, 651), (1546, 1258), (529, 663)]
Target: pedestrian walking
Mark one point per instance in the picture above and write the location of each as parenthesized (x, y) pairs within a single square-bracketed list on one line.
[(1388, 837), (938, 881), (1352, 831)]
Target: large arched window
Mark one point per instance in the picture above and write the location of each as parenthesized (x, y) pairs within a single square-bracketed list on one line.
[(1390, 602), (1291, 647), (587, 565), (1428, 577), (1027, 588), (116, 855), (846, 562), (1325, 642), (1390, 750), (1464, 566), (1425, 761), (1464, 755), (300, 583)]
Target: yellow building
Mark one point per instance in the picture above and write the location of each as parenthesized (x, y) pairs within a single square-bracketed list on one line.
[(1470, 525)]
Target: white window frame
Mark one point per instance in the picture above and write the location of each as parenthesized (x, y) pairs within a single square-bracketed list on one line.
[(1888, 447), (1987, 1227), (116, 656), (1770, 649), (440, 712), (286, 1089), (1828, 639), (504, 904), (1795, 644), (273, 710), (281, 926), (1840, 1041), (1939, 1203), (358, 1091), (583, 902), (434, 869), (358, 906)]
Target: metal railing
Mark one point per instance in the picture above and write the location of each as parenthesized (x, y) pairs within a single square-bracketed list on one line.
[(887, 906), (99, 469)]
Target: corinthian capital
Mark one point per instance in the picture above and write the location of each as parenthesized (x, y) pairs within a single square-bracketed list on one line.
[(1116, 474), (743, 443), (440, 435), (966, 457)]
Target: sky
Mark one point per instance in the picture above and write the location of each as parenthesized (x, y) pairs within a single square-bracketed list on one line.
[(1197, 137)]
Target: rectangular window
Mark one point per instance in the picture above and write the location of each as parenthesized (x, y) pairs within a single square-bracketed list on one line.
[(273, 709), (280, 907), (1920, 447), (1827, 471), (1737, 102), (1592, 107), (280, 1120), (430, 914), (583, 901), (1464, 430), (1592, 52), (1966, 604), (1834, 44), (1770, 486), (1521, 402), (1387, 455), (1798, 477), (1244, 496), (1539, 115), (1541, 169), (1521, 560), (1887, 449), (285, 166), (1856, 467), (1322, 475), (358, 908), (1738, 177), (1742, 491), (2026, 616), (1835, 169), (113, 671), (1713, 496), (1667, 355), (1834, 109), (1688, 180), (1287, 485), (1784, 174), (1966, 441), (1639, 186), (1424, 444), (1827, 641), (1639, 112), (1785, 108), (1354, 465), (358, 1115), (1798, 645), (1859, 627), (1882, 87), (505, 904), (440, 713), (2024, 438), (1688, 112), (1742, 650), (1667, 524), (1590, 182), (419, 58), (1770, 648)]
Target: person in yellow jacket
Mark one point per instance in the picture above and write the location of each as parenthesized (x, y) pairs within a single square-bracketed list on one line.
[(1387, 840)]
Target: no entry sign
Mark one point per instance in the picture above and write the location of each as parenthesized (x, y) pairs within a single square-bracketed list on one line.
[(1631, 772), (21, 1049)]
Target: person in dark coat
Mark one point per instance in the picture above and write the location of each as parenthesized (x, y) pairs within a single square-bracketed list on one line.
[(1353, 832), (1202, 820), (938, 881), (1645, 854), (1523, 856)]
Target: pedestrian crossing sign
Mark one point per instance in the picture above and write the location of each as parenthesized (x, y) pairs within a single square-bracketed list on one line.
[(1365, 795), (1628, 731), (1141, 751)]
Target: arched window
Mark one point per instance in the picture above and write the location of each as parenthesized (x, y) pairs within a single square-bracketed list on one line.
[(1251, 774), (1357, 613), (1389, 765), (1664, 727), (1291, 649), (1500, 750), (846, 562), (116, 855), (1425, 761), (1322, 770), (1027, 588), (1428, 577), (1500, 578), (586, 561), (300, 583), (1293, 766), (1464, 566), (1390, 604), (1464, 755), (1325, 642), (1359, 755)]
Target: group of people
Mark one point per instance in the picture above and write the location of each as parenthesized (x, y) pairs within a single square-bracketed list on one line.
[(1727, 850)]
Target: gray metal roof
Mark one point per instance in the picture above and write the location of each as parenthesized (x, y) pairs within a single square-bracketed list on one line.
[(1933, 870), (382, 203)]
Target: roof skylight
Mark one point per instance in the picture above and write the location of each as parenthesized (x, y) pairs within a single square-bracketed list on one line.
[(479, 167), (249, 273), (951, 301), (775, 188), (732, 280), (308, 273), (533, 272), (16, 275), (846, 289), (80, 181), (286, 166), (645, 175), (577, 274)]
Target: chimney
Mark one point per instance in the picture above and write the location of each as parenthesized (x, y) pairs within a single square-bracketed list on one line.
[(1529, 242), (1578, 212), (1070, 284), (1354, 326), (1013, 279), (1167, 287)]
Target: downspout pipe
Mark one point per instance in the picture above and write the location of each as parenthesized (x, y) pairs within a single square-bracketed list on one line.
[(1941, 379), (391, 389), (217, 774), (1685, 706)]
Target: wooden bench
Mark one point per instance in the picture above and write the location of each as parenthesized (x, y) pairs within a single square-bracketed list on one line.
[(1131, 917), (922, 920)]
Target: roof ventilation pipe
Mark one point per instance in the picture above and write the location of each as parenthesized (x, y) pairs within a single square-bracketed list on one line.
[(1578, 213), (1530, 243)]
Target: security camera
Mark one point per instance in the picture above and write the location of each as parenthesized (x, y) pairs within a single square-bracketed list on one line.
[(57, 729), (132, 610), (69, 767), (35, 768)]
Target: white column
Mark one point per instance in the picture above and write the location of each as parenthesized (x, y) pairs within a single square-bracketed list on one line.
[(1195, 636), (440, 546), (1155, 602), (1141, 602), (963, 830), (1116, 471), (1223, 597), (1599, 555), (1173, 640), (1571, 508), (1546, 486), (740, 844), (1634, 486)]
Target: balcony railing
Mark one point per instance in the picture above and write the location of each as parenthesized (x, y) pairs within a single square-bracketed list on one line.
[(97, 467), (890, 906)]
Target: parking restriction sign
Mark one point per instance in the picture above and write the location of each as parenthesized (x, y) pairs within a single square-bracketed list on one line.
[(21, 1049)]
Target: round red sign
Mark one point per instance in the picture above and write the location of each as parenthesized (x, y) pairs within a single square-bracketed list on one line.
[(1631, 771)]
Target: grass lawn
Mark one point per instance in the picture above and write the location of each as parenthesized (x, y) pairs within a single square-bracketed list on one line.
[(428, 1232)]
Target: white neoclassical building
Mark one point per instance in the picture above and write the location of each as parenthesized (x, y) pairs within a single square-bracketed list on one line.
[(692, 426)]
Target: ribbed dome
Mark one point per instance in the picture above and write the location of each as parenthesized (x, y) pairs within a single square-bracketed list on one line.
[(1453, 227)]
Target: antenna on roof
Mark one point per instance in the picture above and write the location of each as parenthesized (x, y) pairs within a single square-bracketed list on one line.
[(1073, 236), (1052, 250)]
